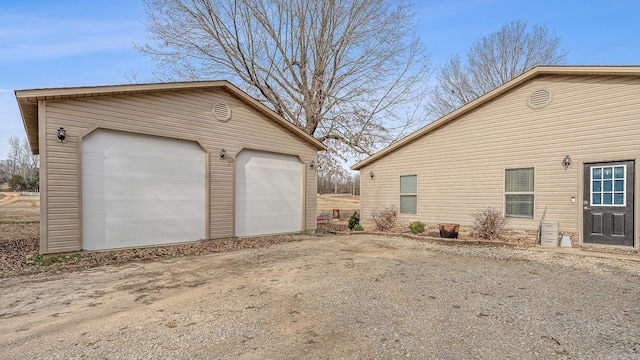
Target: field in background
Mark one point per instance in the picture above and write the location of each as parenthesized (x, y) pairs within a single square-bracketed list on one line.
[(19, 216), (347, 204)]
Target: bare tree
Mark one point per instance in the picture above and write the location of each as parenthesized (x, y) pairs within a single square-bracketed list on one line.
[(492, 61), (14, 157), (330, 176), (338, 181), (4, 171), (21, 164), (349, 72), (29, 163), (132, 76)]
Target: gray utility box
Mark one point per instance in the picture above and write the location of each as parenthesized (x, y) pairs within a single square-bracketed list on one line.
[(549, 234)]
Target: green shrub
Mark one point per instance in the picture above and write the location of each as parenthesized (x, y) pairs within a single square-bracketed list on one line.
[(354, 220), (416, 227), (17, 182), (358, 227)]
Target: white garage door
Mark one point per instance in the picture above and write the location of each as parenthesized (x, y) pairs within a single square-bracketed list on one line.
[(268, 193), (141, 190)]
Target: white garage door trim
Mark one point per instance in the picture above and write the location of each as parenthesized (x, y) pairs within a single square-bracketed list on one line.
[(268, 193), (140, 190)]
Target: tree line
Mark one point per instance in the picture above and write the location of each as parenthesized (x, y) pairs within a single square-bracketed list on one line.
[(21, 169), (338, 182)]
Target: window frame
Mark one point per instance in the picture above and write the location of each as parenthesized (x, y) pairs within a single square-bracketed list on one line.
[(407, 194), (613, 192), (532, 193)]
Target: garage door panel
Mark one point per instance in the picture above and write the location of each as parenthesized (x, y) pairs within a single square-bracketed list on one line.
[(141, 190), (268, 193)]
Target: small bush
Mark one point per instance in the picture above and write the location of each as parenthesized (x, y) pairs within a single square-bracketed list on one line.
[(385, 218), (354, 220), (17, 182), (358, 227), (416, 227), (489, 223)]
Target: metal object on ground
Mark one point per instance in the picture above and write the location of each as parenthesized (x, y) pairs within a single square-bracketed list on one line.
[(549, 234)]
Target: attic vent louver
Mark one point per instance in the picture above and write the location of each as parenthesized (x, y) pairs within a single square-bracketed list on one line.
[(221, 112), (539, 99)]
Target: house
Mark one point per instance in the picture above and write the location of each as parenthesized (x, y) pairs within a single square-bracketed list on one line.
[(135, 165), (559, 142)]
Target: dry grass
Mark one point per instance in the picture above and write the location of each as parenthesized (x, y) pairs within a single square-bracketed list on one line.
[(346, 204), (19, 231), (19, 216)]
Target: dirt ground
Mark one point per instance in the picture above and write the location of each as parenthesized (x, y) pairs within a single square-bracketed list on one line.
[(320, 297), (355, 297)]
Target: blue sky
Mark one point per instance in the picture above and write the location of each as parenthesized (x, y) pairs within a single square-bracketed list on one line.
[(77, 43)]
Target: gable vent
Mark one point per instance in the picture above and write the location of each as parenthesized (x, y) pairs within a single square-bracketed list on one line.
[(539, 99), (222, 112)]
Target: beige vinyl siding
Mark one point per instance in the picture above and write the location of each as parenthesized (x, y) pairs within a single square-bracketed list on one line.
[(43, 178), (181, 115), (461, 165)]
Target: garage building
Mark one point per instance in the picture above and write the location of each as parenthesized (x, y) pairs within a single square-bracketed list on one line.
[(136, 165)]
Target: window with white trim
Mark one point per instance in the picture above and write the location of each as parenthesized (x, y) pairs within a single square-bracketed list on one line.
[(519, 193), (409, 194), (608, 185)]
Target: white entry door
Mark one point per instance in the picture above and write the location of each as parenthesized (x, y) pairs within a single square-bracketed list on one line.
[(268, 195), (141, 190)]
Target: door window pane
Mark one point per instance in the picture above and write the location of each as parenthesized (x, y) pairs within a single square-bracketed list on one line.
[(607, 185), (619, 185), (597, 199), (597, 186), (607, 172), (597, 173), (606, 199), (619, 172), (618, 199)]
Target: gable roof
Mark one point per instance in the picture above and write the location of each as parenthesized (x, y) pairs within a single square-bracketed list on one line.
[(28, 102), (529, 75)]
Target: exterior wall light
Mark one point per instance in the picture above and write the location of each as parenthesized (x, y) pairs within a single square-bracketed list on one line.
[(62, 134), (371, 175), (312, 164), (566, 162), (223, 152)]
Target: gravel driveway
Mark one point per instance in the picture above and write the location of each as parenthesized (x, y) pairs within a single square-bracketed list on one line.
[(354, 297)]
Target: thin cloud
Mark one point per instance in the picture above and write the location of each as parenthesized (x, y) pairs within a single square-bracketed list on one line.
[(28, 38), (61, 49)]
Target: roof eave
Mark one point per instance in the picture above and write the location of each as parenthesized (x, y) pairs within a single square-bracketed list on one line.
[(29, 115), (28, 103)]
